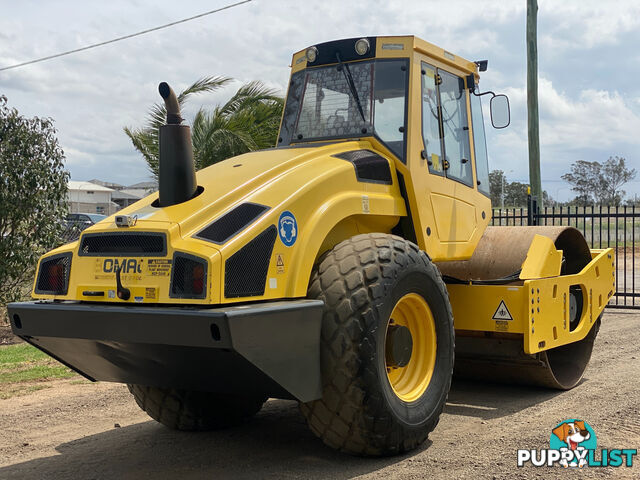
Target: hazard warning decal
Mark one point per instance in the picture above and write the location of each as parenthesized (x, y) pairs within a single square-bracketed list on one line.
[(502, 312)]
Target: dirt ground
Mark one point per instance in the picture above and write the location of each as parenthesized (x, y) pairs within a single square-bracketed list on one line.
[(78, 430), (6, 336)]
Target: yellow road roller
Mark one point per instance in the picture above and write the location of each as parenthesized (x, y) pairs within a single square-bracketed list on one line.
[(345, 268)]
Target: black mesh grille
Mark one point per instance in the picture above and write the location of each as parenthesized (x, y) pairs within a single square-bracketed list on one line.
[(123, 244), (53, 275), (246, 270), (231, 223), (188, 276), (370, 167)]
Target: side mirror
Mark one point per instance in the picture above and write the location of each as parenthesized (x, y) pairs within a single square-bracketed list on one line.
[(500, 113)]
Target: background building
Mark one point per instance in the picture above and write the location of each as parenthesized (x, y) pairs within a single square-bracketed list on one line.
[(141, 189), (87, 197), (97, 196), (123, 199)]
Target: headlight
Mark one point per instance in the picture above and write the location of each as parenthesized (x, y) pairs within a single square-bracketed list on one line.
[(362, 46), (312, 54)]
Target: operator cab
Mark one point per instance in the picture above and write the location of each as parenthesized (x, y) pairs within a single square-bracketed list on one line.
[(418, 104)]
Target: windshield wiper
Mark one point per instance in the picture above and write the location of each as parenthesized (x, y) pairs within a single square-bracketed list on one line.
[(347, 76)]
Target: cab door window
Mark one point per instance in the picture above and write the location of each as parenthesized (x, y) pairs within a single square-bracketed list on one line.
[(431, 134), (455, 128), (480, 145)]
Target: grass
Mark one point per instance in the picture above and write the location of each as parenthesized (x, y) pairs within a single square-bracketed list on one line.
[(24, 369), (15, 390)]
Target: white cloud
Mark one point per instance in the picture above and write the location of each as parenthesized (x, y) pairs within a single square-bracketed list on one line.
[(93, 94), (585, 24), (594, 119)]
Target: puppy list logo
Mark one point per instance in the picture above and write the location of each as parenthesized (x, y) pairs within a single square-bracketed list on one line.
[(573, 444), (573, 439)]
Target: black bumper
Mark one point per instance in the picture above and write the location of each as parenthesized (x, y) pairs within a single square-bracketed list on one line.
[(270, 349)]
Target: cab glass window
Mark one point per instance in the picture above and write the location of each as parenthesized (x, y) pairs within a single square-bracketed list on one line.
[(389, 103), (480, 145), (430, 120), (455, 128), (352, 100), (328, 107)]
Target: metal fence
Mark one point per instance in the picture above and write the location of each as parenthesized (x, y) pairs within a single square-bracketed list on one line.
[(72, 233), (602, 227)]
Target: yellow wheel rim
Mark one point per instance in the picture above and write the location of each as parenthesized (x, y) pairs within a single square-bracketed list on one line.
[(411, 381)]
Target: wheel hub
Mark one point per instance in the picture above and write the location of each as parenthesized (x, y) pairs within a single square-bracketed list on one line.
[(410, 347), (399, 346)]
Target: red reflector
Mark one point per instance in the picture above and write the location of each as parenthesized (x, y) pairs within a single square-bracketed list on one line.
[(55, 275), (198, 279)]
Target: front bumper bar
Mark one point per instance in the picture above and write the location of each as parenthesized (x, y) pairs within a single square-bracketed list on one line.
[(270, 349)]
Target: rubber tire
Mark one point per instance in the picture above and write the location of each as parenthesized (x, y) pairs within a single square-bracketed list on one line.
[(360, 280), (195, 411)]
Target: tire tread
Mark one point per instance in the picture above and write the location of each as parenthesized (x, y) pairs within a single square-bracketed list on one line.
[(192, 410), (352, 279)]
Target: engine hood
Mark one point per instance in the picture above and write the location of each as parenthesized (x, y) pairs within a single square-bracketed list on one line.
[(229, 182), (307, 200)]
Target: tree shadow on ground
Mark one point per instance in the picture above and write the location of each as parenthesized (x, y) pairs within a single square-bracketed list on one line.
[(275, 444)]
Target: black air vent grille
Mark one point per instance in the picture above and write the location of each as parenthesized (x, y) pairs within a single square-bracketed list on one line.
[(370, 167), (123, 244), (231, 223), (246, 270), (53, 275), (188, 276)]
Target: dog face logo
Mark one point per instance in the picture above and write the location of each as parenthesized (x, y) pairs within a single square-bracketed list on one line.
[(576, 436), (572, 433), (287, 228)]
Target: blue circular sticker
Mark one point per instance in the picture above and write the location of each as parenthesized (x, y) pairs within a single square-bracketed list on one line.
[(287, 228)]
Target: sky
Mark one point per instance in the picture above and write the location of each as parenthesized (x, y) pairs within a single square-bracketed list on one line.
[(588, 67)]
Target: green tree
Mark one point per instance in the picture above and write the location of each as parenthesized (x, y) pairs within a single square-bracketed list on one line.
[(615, 174), (248, 121), (584, 178), (548, 200), (497, 181), (601, 183), (515, 193), (33, 187)]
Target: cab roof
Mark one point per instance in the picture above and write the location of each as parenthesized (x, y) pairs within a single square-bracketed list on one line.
[(380, 47)]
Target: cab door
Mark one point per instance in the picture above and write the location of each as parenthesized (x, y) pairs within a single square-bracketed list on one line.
[(454, 212)]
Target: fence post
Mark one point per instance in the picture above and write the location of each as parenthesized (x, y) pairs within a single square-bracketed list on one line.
[(529, 207)]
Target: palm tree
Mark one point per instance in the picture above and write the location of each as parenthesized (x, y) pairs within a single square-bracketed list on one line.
[(248, 121)]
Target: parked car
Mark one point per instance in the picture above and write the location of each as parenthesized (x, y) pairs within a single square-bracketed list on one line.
[(77, 222), (86, 219)]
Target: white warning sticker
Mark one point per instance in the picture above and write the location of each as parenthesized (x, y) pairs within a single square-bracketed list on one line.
[(365, 204), (502, 312)]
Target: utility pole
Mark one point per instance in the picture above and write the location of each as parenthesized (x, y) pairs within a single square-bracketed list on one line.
[(532, 101)]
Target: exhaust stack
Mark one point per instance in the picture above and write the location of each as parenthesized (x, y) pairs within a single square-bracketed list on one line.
[(177, 171)]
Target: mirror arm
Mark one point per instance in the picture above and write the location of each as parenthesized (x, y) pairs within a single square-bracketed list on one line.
[(471, 85), (483, 93)]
